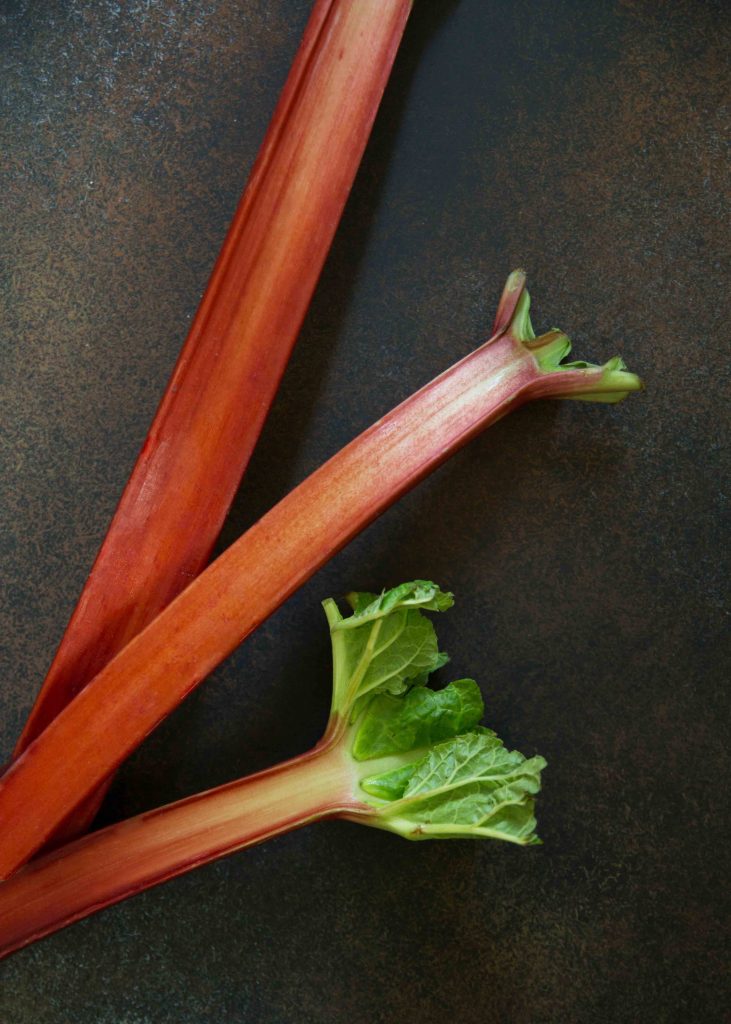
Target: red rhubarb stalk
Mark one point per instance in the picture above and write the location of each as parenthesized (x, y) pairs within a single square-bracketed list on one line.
[(163, 663), (190, 466), (105, 867)]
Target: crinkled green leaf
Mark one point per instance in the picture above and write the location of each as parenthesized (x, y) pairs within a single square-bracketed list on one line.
[(470, 785), (386, 646), (418, 594), (391, 782), (423, 677), (432, 770), (419, 718), (387, 652)]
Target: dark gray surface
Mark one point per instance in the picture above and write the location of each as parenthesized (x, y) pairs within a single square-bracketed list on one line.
[(584, 544)]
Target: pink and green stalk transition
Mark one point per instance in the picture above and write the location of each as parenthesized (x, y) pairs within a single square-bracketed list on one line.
[(206, 622), (396, 755)]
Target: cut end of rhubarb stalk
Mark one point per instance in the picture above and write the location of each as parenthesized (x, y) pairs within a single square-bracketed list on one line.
[(586, 382)]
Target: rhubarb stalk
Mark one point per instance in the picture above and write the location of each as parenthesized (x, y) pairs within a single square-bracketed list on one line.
[(396, 755), (114, 863), (192, 461), (163, 663)]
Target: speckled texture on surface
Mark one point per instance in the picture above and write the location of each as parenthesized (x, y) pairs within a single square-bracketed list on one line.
[(582, 140)]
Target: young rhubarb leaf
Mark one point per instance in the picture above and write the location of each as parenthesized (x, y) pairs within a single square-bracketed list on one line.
[(468, 786), (393, 725), (386, 645), (438, 773)]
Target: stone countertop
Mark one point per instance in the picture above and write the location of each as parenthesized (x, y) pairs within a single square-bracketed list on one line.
[(582, 141)]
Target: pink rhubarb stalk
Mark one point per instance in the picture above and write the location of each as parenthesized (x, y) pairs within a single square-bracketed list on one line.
[(117, 862), (214, 407), (172, 655)]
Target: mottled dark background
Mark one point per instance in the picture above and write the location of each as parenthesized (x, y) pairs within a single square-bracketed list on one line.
[(582, 140)]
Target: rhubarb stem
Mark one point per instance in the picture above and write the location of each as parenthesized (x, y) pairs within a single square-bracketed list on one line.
[(211, 415), (157, 669), (108, 866)]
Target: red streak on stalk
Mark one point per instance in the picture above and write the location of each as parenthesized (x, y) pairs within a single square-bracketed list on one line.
[(212, 412), (117, 862), (164, 662)]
